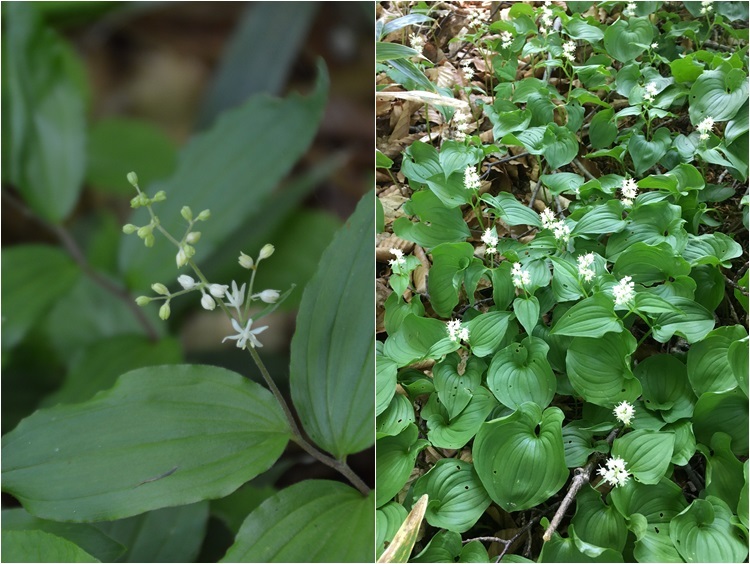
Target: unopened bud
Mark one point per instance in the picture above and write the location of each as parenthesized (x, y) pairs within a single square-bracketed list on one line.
[(187, 213), (189, 251), (149, 240), (208, 302), (218, 290), (186, 281), (164, 311), (160, 289), (193, 237), (246, 261), (160, 196), (269, 296), (266, 251), (129, 228), (204, 215), (135, 201), (181, 258), (133, 178), (143, 300), (145, 231)]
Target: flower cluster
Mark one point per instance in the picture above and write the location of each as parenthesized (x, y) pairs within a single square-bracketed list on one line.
[(569, 49), (471, 178), (624, 291), (466, 70), (584, 267), (651, 91), (477, 18), (520, 276), (456, 331), (705, 127), (629, 190), (706, 7), (629, 10), (624, 412), (507, 38), (654, 45), (547, 18), (614, 473), (489, 238), (559, 228), (417, 42), (399, 260), (461, 124)]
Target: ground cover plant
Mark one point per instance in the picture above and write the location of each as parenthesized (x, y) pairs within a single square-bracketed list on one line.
[(562, 361), (130, 432)]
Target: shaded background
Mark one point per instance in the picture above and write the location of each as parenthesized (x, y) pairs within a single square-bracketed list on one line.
[(151, 75)]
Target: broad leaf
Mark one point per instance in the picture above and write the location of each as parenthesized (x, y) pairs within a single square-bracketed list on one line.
[(666, 387), (712, 94), (647, 454), (395, 457), (455, 432), (692, 321), (708, 364), (455, 381), (597, 523), (40, 546), (725, 412), (626, 39), (521, 373), (436, 223), (591, 317)]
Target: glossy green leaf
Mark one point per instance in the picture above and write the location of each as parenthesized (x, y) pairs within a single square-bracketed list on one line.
[(560, 146), (402, 22), (386, 371), (447, 432), (666, 387), (566, 284), (450, 260), (684, 441), (605, 218), (711, 248), (395, 457), (445, 546), (511, 211), (487, 331), (388, 520), (521, 373), (627, 39), (87, 537), (562, 182), (653, 543), (310, 521), (141, 452), (240, 186), (647, 264), (599, 368), (693, 322), (455, 381), (737, 356), (598, 523), (651, 224), (172, 534), (710, 286), (436, 224), (34, 278), (590, 317), (415, 340), (332, 353), (573, 549), (47, 132), (457, 497), (647, 454), (577, 443), (603, 130), (658, 503), (712, 94), (723, 470), (520, 458), (722, 412), (577, 28), (708, 362), (396, 309), (508, 121), (646, 153), (742, 506), (474, 551), (527, 312), (396, 418), (704, 533), (40, 546), (234, 508)]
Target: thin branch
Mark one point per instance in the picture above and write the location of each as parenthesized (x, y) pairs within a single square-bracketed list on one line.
[(583, 169), (734, 285), (536, 188)]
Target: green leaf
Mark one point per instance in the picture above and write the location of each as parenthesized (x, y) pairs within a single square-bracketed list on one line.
[(87, 537), (647, 453), (39, 546), (455, 381), (395, 457), (445, 546), (737, 355), (577, 28), (725, 412), (652, 224), (117, 145), (312, 520), (645, 153), (527, 312), (396, 418), (241, 180), (653, 543), (521, 373), (511, 211), (560, 146), (684, 441), (145, 453), (233, 509), (487, 331), (591, 317), (707, 361), (712, 95), (450, 260), (627, 39), (382, 160), (47, 132), (599, 368), (606, 218), (711, 248), (693, 322), (597, 523), (658, 503), (666, 388), (332, 353), (573, 549), (565, 282), (410, 76), (704, 532), (603, 130), (562, 182), (415, 339), (504, 122), (402, 22), (391, 51), (454, 433), (386, 372), (169, 534), (520, 458), (437, 224), (647, 264), (388, 520), (723, 470), (34, 277), (457, 497)]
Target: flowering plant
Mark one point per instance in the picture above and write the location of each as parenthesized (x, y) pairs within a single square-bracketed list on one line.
[(550, 379)]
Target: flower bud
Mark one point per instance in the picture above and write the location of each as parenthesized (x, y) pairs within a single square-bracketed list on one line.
[(160, 289), (269, 296), (186, 281), (135, 201), (186, 213), (142, 300), (208, 302), (133, 178), (160, 196), (129, 229), (218, 290), (164, 311), (193, 237), (149, 240), (266, 251), (204, 215), (189, 251), (181, 258), (246, 261), (144, 231)]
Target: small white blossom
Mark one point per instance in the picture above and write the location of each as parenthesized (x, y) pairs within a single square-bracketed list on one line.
[(471, 178), (705, 127), (181, 258), (490, 239), (629, 190), (624, 412), (466, 69), (399, 260), (460, 124), (186, 282), (208, 302), (417, 42), (654, 45), (245, 334), (615, 473), (267, 296), (521, 277), (561, 231), (507, 39), (218, 290), (266, 251), (651, 91), (706, 7), (569, 49), (245, 261), (456, 331), (548, 218), (584, 264), (547, 16), (477, 18), (236, 298), (624, 291), (630, 9)]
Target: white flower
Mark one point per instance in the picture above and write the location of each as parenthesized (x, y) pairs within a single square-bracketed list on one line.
[(461, 124), (630, 9), (507, 39), (547, 16), (471, 178), (417, 43), (268, 296), (266, 251), (489, 238), (561, 231), (399, 260), (623, 291), (245, 261), (584, 262), (236, 298), (654, 45), (245, 335), (548, 218), (456, 331), (629, 190), (569, 49), (615, 473), (218, 290), (181, 258), (477, 18), (624, 412), (705, 127), (208, 302), (651, 91), (706, 7), (521, 277), (186, 281)]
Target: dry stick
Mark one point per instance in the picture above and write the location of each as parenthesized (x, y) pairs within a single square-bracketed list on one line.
[(80, 259), (583, 169), (734, 285), (538, 185), (581, 476)]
